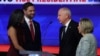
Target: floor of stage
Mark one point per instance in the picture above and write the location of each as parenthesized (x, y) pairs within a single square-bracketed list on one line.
[(50, 49)]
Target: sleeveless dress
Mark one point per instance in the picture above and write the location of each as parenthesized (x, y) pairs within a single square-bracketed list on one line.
[(20, 37)]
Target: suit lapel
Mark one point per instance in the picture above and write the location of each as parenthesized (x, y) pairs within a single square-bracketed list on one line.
[(26, 26), (67, 31)]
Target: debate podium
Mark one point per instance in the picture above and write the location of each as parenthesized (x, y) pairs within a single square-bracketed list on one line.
[(35, 53)]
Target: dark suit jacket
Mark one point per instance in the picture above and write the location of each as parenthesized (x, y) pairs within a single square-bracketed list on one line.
[(29, 44), (69, 42)]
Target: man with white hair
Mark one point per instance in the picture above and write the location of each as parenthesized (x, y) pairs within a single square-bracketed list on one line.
[(69, 35)]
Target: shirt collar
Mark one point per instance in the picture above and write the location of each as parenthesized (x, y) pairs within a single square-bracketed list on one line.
[(67, 23), (27, 19)]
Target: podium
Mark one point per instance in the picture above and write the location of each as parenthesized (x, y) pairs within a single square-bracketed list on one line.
[(35, 53)]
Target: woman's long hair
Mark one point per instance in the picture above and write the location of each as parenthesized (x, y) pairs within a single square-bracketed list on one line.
[(16, 18)]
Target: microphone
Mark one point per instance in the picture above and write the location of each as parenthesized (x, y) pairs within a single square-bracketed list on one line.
[(47, 28), (49, 24)]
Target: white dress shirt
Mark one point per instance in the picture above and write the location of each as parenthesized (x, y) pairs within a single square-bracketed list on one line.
[(28, 22), (67, 24)]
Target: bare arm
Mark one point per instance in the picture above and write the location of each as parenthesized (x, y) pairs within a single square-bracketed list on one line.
[(13, 37)]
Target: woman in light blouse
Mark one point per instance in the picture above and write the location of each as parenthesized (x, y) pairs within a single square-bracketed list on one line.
[(87, 44)]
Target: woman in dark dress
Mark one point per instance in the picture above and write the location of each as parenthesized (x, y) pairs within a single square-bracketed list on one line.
[(15, 33)]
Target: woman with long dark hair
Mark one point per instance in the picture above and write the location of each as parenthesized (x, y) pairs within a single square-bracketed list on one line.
[(15, 32)]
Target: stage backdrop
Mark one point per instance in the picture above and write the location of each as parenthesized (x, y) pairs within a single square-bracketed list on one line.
[(46, 15)]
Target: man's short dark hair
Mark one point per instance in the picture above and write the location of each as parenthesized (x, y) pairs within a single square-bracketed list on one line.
[(26, 5)]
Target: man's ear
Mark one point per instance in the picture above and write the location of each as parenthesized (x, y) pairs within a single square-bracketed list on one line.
[(68, 16)]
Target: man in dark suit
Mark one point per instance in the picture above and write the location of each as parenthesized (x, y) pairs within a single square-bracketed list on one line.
[(31, 29), (69, 35)]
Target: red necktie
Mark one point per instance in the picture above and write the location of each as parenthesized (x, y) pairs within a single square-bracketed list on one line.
[(31, 29)]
